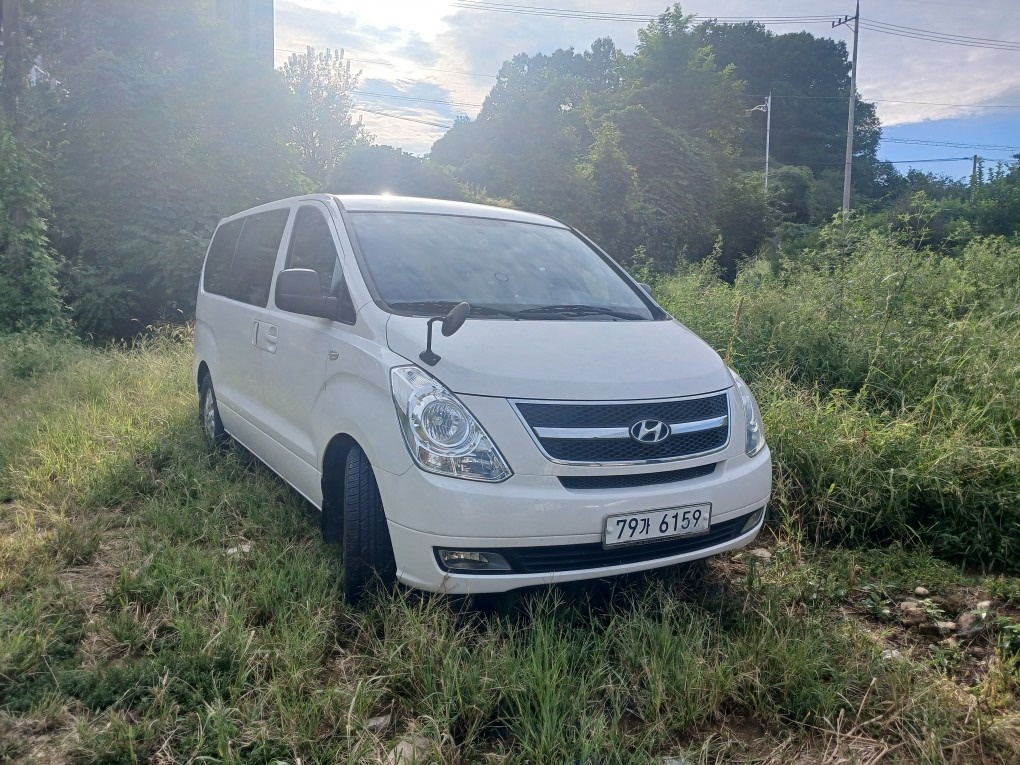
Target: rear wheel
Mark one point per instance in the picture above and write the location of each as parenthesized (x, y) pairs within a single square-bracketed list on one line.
[(368, 553), (209, 414)]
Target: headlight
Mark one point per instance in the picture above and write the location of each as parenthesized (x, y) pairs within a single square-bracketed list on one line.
[(754, 438), (441, 434)]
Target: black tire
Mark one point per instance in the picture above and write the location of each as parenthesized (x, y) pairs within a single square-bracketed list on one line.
[(209, 414), (368, 552)]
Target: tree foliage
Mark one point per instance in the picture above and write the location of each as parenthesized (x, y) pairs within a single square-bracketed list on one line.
[(627, 148), (28, 287), (151, 140), (660, 152), (323, 129)]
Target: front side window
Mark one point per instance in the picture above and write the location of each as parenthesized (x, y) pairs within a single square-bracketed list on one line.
[(420, 263), (312, 246)]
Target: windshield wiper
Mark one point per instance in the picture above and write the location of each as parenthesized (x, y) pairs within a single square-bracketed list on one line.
[(579, 310), (441, 307)]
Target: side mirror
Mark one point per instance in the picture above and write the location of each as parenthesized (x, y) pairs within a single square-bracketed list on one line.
[(646, 287), (298, 291), (455, 319)]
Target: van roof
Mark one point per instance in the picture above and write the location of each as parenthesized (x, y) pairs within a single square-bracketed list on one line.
[(385, 203)]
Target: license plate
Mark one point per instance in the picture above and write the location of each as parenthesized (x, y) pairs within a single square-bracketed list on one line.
[(653, 525)]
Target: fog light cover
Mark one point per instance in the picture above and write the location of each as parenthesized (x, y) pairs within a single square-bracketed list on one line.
[(753, 520), (465, 560)]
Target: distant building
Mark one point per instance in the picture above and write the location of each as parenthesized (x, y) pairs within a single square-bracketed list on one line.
[(252, 24)]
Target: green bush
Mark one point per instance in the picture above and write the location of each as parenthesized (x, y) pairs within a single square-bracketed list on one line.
[(890, 381), (847, 474), (30, 354)]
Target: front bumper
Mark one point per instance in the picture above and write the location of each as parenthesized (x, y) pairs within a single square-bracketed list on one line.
[(426, 512)]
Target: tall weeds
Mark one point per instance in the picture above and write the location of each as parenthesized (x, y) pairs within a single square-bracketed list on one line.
[(890, 384)]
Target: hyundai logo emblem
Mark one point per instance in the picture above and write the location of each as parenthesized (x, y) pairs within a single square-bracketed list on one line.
[(649, 431)]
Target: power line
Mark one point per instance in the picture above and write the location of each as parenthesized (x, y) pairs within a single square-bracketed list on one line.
[(751, 160), (873, 25), (427, 69), (535, 10), (916, 161), (445, 126), (894, 101), (994, 45), (941, 34), (951, 144), (396, 97)]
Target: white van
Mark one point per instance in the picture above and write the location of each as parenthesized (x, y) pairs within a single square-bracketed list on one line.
[(561, 426)]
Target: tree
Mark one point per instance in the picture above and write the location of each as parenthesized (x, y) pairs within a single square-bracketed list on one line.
[(745, 218), (677, 181), (996, 199), (809, 79), (28, 285), (324, 129), (157, 132), (12, 74), (28, 288), (676, 76), (528, 137)]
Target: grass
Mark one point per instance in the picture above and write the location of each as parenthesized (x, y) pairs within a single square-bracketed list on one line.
[(160, 602), (888, 378)]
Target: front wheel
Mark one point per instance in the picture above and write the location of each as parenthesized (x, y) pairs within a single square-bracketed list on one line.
[(368, 552), (209, 414)]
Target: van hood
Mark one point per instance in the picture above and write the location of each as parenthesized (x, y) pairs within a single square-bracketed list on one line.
[(565, 359)]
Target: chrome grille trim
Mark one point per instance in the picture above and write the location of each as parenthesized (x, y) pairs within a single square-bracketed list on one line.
[(674, 429), (615, 434)]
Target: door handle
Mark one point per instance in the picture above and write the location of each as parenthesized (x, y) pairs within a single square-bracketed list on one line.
[(272, 337), (255, 333)]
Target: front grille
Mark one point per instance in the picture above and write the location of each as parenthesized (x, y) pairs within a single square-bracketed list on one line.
[(547, 560), (639, 479), (576, 447), (626, 450), (622, 415)]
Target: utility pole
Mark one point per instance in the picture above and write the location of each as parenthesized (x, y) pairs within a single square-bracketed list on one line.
[(768, 135), (767, 108), (853, 104)]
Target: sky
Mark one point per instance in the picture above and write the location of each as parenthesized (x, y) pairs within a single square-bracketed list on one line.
[(425, 62)]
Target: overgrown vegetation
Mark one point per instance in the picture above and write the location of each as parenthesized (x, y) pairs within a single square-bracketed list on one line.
[(162, 602), (888, 378)]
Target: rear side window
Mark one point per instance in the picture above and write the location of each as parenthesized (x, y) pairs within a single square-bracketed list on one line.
[(242, 257), (251, 270), (311, 246), (255, 257), (221, 253)]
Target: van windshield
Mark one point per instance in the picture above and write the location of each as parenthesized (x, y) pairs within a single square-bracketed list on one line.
[(425, 264)]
